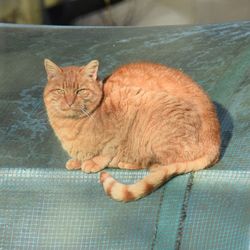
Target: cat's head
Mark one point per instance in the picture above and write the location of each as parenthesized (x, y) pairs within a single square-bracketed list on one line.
[(72, 92)]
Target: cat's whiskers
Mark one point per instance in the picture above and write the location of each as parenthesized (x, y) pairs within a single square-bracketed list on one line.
[(84, 111), (40, 113)]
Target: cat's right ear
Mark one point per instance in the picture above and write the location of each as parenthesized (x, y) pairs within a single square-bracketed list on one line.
[(91, 69), (52, 69)]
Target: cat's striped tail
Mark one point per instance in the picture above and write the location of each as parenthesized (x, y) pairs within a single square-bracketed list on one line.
[(156, 178)]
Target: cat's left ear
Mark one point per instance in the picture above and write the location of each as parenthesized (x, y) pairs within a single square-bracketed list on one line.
[(91, 69), (52, 69)]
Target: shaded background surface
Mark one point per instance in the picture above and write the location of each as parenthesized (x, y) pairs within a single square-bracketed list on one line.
[(44, 206)]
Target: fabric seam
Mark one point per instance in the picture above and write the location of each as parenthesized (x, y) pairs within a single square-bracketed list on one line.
[(184, 212), (158, 219)]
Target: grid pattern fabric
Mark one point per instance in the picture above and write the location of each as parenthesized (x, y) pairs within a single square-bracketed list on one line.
[(52, 209), (218, 211)]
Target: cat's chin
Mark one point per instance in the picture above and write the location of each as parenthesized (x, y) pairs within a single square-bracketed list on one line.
[(72, 115)]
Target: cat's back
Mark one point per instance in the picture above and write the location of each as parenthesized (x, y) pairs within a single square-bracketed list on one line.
[(154, 77)]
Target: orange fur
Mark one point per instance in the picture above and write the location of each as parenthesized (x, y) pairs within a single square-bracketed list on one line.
[(145, 115)]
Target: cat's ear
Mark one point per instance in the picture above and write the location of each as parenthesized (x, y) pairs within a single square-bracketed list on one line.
[(52, 69), (91, 69)]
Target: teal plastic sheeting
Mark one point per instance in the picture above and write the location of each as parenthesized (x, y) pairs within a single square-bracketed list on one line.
[(44, 206)]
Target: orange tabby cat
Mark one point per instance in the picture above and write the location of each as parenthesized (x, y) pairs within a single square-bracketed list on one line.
[(144, 116)]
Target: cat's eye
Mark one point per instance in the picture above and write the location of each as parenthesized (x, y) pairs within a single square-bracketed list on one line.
[(83, 92), (60, 91), (80, 91)]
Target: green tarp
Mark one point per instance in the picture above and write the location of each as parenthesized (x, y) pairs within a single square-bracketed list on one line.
[(44, 206)]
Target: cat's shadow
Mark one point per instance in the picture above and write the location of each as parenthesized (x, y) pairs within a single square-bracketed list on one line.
[(227, 126)]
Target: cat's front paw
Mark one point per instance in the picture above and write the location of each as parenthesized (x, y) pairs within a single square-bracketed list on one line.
[(90, 166), (73, 164)]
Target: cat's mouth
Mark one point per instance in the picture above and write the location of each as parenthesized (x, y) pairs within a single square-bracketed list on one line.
[(67, 109), (70, 109), (74, 113)]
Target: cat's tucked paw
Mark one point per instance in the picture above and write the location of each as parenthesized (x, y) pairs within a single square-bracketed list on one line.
[(90, 166), (73, 164)]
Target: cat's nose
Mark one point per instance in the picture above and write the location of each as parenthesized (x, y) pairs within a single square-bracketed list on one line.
[(70, 99)]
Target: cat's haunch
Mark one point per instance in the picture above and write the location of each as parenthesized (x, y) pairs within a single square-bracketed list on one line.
[(145, 115)]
